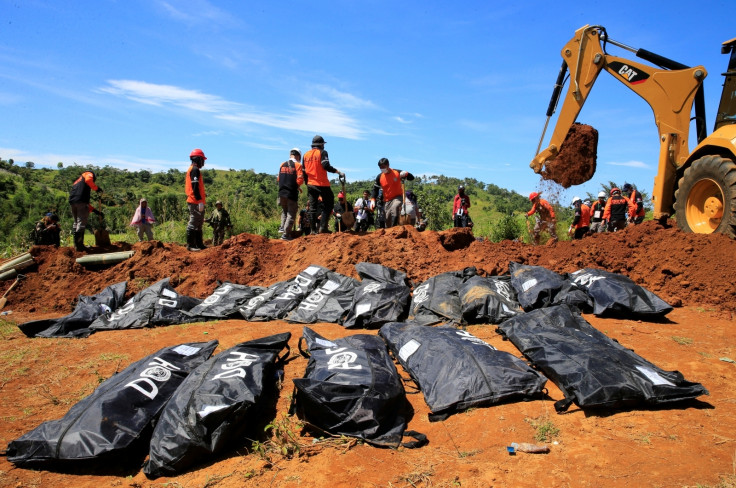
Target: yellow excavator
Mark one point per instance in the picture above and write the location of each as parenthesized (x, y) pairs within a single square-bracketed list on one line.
[(698, 187)]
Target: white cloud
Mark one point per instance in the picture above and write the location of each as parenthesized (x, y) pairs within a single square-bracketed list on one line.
[(630, 164), (194, 12)]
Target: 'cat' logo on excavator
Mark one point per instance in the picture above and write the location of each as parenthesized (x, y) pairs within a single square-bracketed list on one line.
[(628, 73)]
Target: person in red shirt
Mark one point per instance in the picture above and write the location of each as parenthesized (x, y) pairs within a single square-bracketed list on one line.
[(460, 208), (79, 202), (637, 202), (581, 221), (196, 198), (393, 196), (545, 217), (316, 166)]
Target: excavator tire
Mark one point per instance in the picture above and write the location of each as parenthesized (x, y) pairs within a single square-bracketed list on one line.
[(705, 201)]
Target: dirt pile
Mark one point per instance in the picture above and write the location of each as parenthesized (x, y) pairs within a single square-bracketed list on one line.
[(576, 162), (689, 269)]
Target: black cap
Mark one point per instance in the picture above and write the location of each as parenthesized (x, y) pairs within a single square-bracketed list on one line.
[(382, 161), (317, 140)]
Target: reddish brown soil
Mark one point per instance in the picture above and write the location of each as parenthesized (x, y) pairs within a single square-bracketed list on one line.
[(683, 445), (576, 161)]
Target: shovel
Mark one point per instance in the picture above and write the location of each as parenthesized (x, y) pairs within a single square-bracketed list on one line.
[(4, 300), (102, 236), (404, 219), (348, 218)]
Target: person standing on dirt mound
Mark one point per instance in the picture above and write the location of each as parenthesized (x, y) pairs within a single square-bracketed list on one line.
[(316, 166), (635, 199), (79, 202), (460, 209), (341, 208), (194, 186), (363, 209), (391, 182), (47, 231), (291, 179), (597, 224), (143, 219), (545, 217), (616, 209), (220, 221), (581, 221)]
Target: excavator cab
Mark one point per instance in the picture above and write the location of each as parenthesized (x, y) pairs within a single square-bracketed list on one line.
[(727, 108)]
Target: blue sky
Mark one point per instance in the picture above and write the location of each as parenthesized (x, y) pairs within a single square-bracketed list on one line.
[(453, 88)]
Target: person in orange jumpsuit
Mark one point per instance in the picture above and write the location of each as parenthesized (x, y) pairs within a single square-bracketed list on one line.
[(545, 217)]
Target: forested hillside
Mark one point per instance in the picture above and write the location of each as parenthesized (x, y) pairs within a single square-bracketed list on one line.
[(27, 193)]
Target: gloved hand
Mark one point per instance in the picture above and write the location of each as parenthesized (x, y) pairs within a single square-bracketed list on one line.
[(341, 174), (201, 207), (569, 231), (404, 174)]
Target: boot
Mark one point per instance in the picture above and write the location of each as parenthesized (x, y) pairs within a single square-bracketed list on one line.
[(199, 242), (79, 241), (191, 241)]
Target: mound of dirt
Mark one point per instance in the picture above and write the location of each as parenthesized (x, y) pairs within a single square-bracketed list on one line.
[(576, 162), (690, 269)]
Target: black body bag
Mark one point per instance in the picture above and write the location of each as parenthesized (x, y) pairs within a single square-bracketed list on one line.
[(288, 297), (115, 421), (591, 369), (77, 323), (226, 301), (437, 300), (214, 405), (456, 371), (328, 303), (351, 387), (250, 307), (488, 300), (383, 296), (617, 295), (538, 287)]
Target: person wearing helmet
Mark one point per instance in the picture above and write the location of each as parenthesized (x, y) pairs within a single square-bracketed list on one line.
[(316, 166), (143, 220), (460, 207), (545, 217), (341, 209), (616, 209), (79, 202), (581, 220), (194, 186), (597, 223), (290, 179), (389, 181), (634, 197), (220, 221)]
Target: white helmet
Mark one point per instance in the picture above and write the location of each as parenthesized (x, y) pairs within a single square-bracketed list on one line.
[(601, 194), (575, 200)]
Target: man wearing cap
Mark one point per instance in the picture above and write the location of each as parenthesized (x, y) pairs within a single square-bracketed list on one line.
[(637, 203), (290, 179), (545, 217), (341, 210), (194, 186), (316, 166), (219, 220), (390, 181), (143, 219)]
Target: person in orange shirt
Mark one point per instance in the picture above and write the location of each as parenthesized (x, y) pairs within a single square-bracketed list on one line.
[(637, 202), (545, 217), (291, 179), (581, 221), (316, 166), (616, 209), (389, 181), (194, 186), (79, 202)]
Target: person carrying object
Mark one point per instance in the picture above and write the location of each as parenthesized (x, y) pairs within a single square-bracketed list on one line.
[(316, 166), (80, 206), (290, 180), (390, 182)]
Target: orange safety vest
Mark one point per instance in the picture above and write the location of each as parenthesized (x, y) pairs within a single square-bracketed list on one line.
[(391, 184), (316, 174), (546, 212), (584, 217), (190, 191)]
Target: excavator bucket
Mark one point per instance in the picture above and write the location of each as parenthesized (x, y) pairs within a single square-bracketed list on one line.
[(576, 161)]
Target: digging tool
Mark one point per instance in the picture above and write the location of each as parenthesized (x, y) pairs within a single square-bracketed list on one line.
[(404, 219), (348, 218), (102, 236), (4, 300)]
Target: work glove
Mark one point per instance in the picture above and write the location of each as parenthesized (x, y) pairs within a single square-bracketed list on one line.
[(201, 207), (404, 174), (341, 174), (569, 231)]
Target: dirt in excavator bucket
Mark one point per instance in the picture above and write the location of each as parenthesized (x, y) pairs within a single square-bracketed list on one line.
[(575, 163)]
